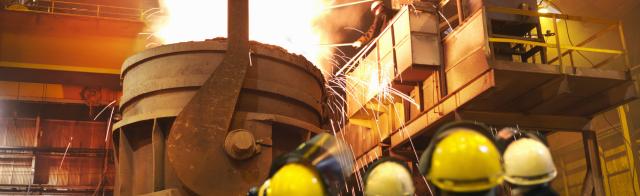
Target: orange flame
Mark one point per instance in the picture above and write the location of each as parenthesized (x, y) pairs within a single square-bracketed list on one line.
[(290, 24)]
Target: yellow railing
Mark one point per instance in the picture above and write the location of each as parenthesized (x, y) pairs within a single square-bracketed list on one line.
[(83, 9), (564, 49)]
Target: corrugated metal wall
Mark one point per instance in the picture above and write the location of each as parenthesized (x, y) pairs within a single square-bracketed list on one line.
[(75, 171), (15, 170), (83, 165), (618, 173), (571, 164), (57, 133), (16, 132)]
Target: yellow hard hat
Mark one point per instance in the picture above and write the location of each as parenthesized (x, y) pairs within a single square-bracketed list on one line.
[(528, 162), (322, 162), (294, 179), (463, 158), (389, 177)]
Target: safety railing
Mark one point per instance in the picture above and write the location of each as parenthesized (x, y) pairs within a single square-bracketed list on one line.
[(558, 48), (596, 48), (80, 9)]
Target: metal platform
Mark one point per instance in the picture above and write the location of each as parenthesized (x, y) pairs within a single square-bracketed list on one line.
[(531, 96), (468, 78), (485, 88), (544, 90)]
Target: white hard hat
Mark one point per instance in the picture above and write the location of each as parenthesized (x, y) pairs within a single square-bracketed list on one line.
[(528, 162), (375, 4), (389, 178)]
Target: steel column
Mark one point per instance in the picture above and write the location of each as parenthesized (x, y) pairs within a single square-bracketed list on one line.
[(594, 169)]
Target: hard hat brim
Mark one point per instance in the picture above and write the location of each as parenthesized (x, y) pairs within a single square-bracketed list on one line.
[(524, 181)]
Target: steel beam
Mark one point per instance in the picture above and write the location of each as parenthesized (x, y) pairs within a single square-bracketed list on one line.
[(52, 151), (629, 147), (66, 68), (543, 122), (158, 141), (108, 80), (443, 111), (125, 165), (594, 169)]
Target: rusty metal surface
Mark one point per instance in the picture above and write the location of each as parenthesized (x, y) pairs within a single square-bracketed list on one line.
[(465, 39), (274, 118), (465, 53), (266, 97), (361, 138), (417, 40), (240, 144), (158, 139), (193, 143), (444, 110), (407, 51), (159, 82), (368, 157), (124, 172), (279, 101)]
